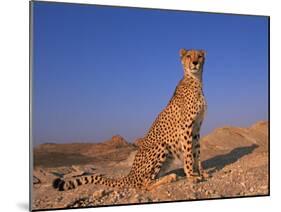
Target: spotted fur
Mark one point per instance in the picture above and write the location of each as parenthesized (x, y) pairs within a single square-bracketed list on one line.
[(174, 134)]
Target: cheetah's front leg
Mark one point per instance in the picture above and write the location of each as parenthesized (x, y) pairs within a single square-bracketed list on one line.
[(196, 156), (186, 141)]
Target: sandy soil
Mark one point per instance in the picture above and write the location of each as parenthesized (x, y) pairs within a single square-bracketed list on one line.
[(236, 158)]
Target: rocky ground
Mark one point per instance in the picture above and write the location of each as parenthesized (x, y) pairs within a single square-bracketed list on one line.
[(236, 158)]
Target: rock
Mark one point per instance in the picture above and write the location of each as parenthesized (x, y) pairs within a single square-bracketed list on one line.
[(117, 141), (148, 199), (227, 171), (212, 192), (99, 194), (36, 180), (168, 193)]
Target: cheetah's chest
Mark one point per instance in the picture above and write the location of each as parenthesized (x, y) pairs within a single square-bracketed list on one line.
[(203, 109)]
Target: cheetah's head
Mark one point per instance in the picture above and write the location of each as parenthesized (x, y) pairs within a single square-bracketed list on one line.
[(192, 61)]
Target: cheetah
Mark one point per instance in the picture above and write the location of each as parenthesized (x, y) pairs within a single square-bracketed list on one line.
[(174, 134)]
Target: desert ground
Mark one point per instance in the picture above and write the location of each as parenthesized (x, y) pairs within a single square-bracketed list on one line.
[(236, 158)]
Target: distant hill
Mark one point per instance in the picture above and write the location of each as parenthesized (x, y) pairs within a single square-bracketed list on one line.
[(53, 155), (228, 138)]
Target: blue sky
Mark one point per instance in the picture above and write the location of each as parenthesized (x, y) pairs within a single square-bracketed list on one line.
[(100, 71)]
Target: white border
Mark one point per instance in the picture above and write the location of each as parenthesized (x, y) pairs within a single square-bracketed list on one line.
[(14, 92), (203, 5)]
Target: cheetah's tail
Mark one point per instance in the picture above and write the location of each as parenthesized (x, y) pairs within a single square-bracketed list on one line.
[(68, 184)]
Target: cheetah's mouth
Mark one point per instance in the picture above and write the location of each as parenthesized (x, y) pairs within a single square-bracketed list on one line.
[(194, 70)]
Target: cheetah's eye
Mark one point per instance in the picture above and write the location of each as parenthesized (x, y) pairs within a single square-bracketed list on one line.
[(200, 56), (188, 56)]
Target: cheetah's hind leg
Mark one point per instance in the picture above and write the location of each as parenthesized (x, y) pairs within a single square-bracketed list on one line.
[(161, 181)]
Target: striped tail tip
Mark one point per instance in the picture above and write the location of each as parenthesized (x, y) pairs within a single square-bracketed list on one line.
[(58, 184)]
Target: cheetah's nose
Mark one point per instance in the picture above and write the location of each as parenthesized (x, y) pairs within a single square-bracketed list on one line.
[(195, 63)]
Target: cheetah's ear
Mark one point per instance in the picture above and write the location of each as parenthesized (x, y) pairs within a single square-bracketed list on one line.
[(203, 52), (183, 52)]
